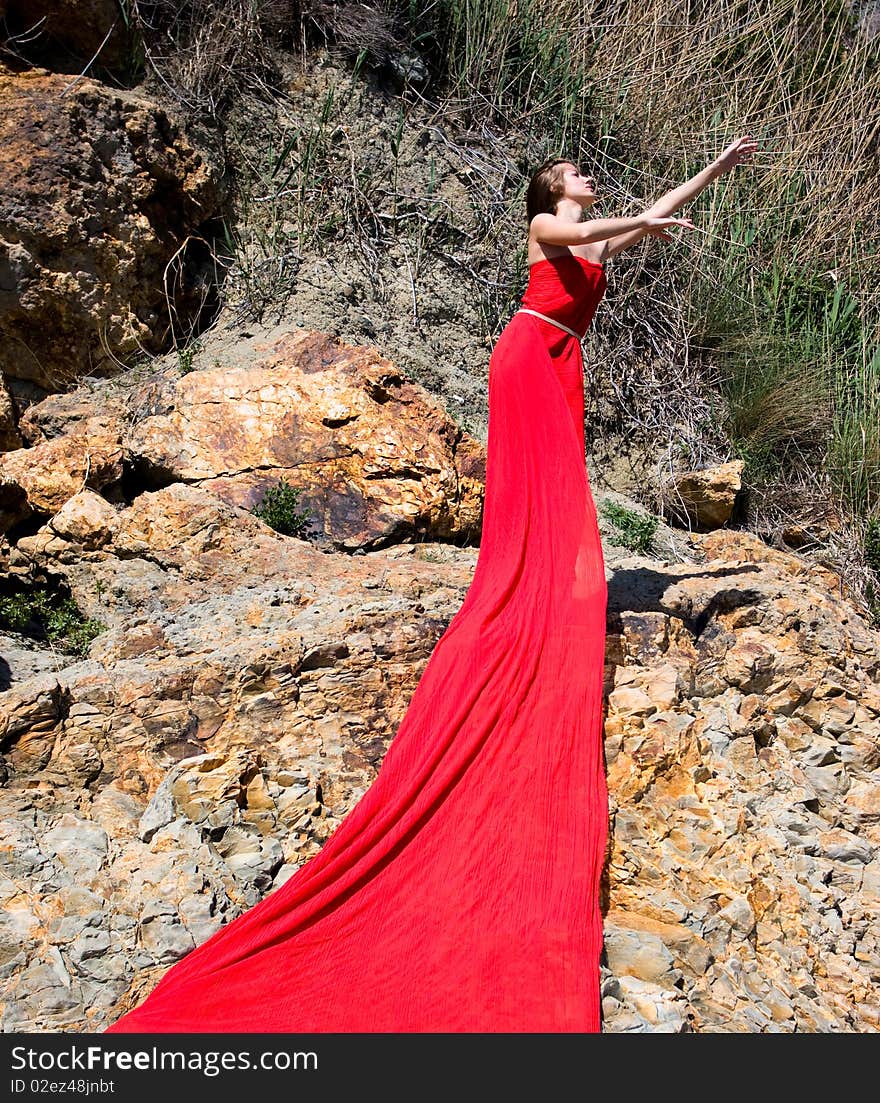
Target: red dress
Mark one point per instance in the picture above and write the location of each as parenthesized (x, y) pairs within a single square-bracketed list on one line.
[(461, 893)]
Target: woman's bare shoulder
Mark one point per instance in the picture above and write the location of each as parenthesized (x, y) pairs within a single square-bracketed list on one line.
[(539, 248)]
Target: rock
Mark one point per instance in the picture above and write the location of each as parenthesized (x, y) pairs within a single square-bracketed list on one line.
[(630, 701), (80, 847), (686, 950), (101, 189), (13, 502), (370, 453), (705, 499), (639, 954), (660, 1010), (197, 914), (86, 519), (862, 803), (165, 938), (160, 811), (53, 472), (739, 914)]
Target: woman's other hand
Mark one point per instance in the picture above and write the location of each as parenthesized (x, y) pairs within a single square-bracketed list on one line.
[(659, 227), (737, 152)]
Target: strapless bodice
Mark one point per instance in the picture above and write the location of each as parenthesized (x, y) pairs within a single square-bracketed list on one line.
[(567, 288)]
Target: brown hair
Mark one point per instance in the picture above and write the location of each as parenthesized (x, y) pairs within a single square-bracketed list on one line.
[(544, 190)]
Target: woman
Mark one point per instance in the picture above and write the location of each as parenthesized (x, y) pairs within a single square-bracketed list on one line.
[(461, 894), (557, 197)]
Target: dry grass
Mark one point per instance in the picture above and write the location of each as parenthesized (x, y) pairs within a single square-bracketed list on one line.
[(201, 54)]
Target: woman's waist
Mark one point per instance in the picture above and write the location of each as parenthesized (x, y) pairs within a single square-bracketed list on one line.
[(557, 325)]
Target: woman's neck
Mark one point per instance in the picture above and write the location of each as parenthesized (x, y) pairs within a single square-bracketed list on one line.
[(569, 210)]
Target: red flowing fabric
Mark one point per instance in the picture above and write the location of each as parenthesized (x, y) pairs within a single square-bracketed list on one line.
[(461, 893)]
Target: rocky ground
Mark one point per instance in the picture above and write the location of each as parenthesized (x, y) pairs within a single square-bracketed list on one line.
[(247, 685)]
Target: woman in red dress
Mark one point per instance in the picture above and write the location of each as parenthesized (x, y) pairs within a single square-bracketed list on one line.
[(461, 893)]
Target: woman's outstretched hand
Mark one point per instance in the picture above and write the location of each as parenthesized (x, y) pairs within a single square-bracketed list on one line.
[(737, 152), (659, 227)]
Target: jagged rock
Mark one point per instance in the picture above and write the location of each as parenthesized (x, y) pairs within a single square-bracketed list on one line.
[(86, 519), (705, 499), (101, 189), (751, 814), (639, 954), (247, 685), (56, 415), (373, 456), (52, 472), (163, 935)]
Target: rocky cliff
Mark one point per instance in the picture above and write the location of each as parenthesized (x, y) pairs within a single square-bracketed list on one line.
[(231, 689)]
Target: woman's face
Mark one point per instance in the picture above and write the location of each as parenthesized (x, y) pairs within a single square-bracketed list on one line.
[(577, 186)]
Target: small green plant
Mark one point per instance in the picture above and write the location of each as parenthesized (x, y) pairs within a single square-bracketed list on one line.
[(134, 54), (636, 529), (872, 561), (278, 509), (46, 615), (429, 555), (185, 356)]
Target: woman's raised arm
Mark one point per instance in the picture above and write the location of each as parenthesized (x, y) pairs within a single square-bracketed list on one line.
[(739, 150)]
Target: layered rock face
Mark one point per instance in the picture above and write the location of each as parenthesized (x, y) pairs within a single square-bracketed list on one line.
[(373, 457), (743, 746)]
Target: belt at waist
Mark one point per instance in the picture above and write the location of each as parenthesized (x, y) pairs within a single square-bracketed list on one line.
[(552, 321)]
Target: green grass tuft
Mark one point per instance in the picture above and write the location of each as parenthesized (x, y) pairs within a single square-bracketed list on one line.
[(636, 530), (46, 615)]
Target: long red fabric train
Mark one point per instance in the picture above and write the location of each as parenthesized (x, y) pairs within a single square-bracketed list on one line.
[(461, 893)]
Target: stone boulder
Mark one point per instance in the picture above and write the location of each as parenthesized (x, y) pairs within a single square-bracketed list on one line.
[(705, 499), (53, 471), (102, 199), (375, 458)]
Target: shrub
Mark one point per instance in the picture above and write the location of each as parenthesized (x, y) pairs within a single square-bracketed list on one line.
[(278, 510), (46, 615), (186, 354)]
